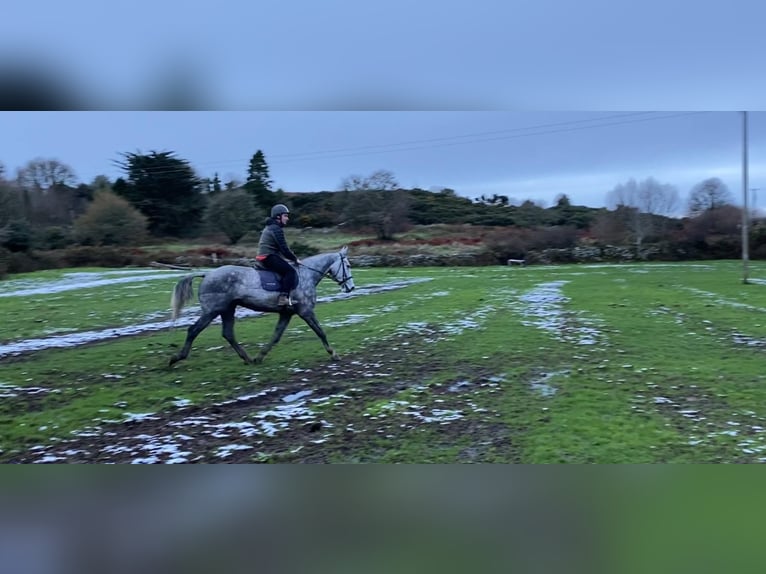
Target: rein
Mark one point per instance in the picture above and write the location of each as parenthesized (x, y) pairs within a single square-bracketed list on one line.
[(345, 279)]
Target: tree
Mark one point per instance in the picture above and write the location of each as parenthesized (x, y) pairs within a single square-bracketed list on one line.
[(17, 235), (215, 185), (502, 200), (530, 214), (715, 223), (110, 220), (640, 201), (48, 193), (258, 181), (100, 183), (43, 174), (707, 195), (10, 202), (609, 227), (377, 201), (165, 189), (233, 213)]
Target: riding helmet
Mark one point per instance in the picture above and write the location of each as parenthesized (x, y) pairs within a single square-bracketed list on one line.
[(279, 209)]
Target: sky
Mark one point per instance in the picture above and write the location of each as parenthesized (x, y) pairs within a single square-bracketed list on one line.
[(524, 155), (472, 96)]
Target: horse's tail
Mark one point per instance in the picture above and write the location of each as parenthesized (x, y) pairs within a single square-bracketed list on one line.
[(183, 292)]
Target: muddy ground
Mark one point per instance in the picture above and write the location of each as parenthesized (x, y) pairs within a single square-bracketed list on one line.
[(360, 409)]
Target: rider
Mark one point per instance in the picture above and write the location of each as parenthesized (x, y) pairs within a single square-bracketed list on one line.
[(273, 252)]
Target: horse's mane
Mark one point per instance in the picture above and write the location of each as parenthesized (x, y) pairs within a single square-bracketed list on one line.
[(319, 256)]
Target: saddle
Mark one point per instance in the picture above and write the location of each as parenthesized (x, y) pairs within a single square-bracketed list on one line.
[(270, 280)]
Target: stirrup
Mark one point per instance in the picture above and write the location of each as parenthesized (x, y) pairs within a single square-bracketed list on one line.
[(284, 301)]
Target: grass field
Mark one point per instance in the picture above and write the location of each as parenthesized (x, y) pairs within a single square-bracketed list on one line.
[(542, 364)]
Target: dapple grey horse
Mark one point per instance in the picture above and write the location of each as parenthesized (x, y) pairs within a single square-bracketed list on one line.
[(229, 286)]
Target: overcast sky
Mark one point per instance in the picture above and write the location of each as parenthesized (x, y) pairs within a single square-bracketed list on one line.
[(398, 54), (453, 94), (525, 155)]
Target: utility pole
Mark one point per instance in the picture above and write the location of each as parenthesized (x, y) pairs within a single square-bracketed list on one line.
[(745, 207)]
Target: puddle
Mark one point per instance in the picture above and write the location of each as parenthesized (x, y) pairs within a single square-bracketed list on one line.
[(81, 280), (718, 300), (349, 320), (188, 317), (542, 386), (296, 396), (440, 416), (746, 340), (543, 308), (8, 390)]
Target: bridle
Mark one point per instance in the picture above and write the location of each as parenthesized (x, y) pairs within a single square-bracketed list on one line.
[(344, 266), (345, 276)]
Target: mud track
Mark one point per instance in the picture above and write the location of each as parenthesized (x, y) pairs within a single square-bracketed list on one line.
[(362, 409)]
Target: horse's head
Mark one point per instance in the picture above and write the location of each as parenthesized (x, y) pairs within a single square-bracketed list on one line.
[(340, 271)]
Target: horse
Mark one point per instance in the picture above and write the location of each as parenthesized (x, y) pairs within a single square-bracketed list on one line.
[(229, 286)]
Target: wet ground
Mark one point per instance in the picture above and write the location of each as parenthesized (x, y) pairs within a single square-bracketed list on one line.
[(361, 409), (188, 316), (373, 407)]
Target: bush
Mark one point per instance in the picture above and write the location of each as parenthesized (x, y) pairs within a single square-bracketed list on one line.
[(95, 256), (17, 235), (234, 214), (55, 238), (4, 257), (111, 220)]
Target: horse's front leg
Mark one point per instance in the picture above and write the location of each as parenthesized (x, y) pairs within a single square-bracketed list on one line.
[(312, 322), (284, 320)]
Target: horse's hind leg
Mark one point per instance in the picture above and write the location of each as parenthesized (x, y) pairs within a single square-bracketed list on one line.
[(227, 319), (191, 334), (284, 320)]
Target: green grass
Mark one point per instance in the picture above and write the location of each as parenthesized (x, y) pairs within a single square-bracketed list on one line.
[(620, 364), (114, 305)]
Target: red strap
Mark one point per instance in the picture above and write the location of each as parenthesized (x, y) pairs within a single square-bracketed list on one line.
[(260, 257)]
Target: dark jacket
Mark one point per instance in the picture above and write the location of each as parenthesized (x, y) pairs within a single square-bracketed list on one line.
[(273, 241)]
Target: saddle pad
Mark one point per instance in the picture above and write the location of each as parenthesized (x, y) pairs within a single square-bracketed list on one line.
[(270, 281)]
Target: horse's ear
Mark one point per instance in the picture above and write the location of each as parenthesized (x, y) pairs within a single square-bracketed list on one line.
[(344, 250)]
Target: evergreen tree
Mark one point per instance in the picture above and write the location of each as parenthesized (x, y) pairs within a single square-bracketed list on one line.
[(165, 189), (258, 181)]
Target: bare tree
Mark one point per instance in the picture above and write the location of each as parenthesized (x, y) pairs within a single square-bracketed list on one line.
[(377, 201), (43, 174), (707, 195), (640, 201), (47, 192)]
